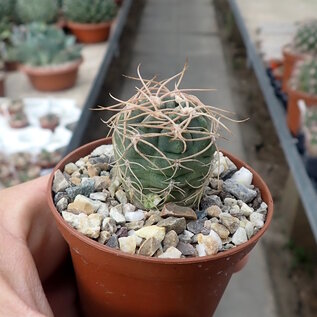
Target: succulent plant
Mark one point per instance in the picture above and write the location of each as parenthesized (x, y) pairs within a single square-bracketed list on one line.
[(305, 39), (28, 11), (94, 11), (39, 44), (304, 78), (164, 143)]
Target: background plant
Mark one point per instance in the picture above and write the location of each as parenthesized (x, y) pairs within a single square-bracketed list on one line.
[(28, 11), (38, 44), (305, 39), (93, 11)]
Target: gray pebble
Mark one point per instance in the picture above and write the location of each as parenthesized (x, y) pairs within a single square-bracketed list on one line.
[(239, 191)]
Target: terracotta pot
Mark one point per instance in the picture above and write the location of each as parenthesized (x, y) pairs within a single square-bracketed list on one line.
[(2, 90), (53, 78), (290, 59), (112, 283), (90, 32), (293, 113), (11, 66)]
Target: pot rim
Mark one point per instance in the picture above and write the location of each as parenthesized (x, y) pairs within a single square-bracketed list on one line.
[(51, 69), (89, 26), (103, 248)]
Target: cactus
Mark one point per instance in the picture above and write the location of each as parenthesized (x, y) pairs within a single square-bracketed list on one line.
[(164, 143), (305, 39), (304, 78), (39, 44), (36, 11), (94, 11)]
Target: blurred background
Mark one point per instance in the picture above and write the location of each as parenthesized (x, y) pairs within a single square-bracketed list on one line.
[(60, 59)]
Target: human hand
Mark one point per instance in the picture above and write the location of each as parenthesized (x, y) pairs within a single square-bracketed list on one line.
[(32, 256)]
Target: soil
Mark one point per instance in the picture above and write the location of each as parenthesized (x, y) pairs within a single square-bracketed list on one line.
[(292, 267)]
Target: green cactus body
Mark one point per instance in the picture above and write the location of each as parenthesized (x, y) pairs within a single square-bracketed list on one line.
[(305, 77), (305, 39), (164, 145), (36, 11), (93, 11)]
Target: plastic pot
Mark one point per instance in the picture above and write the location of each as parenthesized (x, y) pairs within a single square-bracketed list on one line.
[(293, 112), (112, 283), (52, 78), (11, 66), (90, 32), (290, 59)]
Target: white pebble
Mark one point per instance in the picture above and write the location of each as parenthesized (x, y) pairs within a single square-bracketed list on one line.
[(239, 236), (151, 232), (127, 244), (245, 209), (134, 216), (98, 196), (171, 253), (116, 215), (128, 208), (138, 240), (257, 219), (243, 176), (201, 250)]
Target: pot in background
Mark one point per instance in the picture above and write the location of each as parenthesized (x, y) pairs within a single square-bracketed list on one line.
[(2, 81), (53, 78), (116, 284), (90, 32)]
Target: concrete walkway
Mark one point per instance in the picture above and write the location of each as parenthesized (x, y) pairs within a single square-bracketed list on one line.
[(170, 32)]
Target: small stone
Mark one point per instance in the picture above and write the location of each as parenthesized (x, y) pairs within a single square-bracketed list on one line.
[(171, 240), (101, 182), (216, 183), (214, 220), (108, 224), (62, 204), (127, 244), (208, 201), (116, 214), (235, 211), (113, 242), (59, 196), (134, 225), (186, 248), (245, 209), (213, 211), (121, 196), (262, 209), (171, 209), (212, 242), (243, 176), (93, 170), (134, 215), (186, 236), (122, 232), (113, 202), (75, 180), (230, 201), (256, 203), (205, 231), (149, 247), (200, 248), (103, 210), (80, 163), (171, 253), (159, 252), (100, 162), (70, 168), (249, 229), (153, 219), (238, 190), (60, 183), (83, 204), (128, 208), (257, 219), (172, 223), (87, 225), (239, 236), (101, 196), (195, 226), (86, 187), (151, 231), (221, 230), (232, 223), (223, 166), (115, 183), (104, 237), (138, 240), (105, 150)]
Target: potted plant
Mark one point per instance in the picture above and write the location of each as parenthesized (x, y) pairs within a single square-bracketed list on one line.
[(158, 221), (304, 44), (90, 21), (302, 86), (49, 121), (48, 57), (18, 120), (27, 11)]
